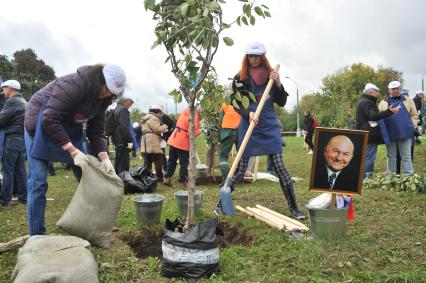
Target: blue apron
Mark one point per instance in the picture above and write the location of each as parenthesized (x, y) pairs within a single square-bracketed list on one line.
[(44, 148), (2, 140), (266, 136), (397, 126)]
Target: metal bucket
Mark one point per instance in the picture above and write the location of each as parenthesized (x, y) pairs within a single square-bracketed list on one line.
[(328, 223), (202, 170), (182, 202), (148, 208)]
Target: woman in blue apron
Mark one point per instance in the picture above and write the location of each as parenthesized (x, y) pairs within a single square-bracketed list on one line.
[(266, 137), (54, 121)]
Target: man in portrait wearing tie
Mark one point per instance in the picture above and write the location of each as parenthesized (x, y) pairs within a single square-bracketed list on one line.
[(330, 172)]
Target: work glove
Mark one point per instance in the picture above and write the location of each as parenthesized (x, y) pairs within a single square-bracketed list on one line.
[(108, 165), (129, 145), (79, 157)]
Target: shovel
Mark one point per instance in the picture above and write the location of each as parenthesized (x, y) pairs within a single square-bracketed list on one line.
[(225, 190)]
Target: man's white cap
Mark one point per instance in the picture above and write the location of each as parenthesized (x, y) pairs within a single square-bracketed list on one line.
[(419, 91), (135, 124), (115, 78), (256, 48), (127, 96), (12, 84), (394, 84), (370, 86), (156, 107)]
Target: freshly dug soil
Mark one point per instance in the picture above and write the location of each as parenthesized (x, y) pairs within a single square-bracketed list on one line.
[(148, 243)]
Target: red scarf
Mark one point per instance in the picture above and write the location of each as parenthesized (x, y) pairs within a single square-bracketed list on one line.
[(259, 75)]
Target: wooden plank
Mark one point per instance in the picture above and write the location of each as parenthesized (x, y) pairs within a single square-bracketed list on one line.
[(288, 226), (298, 223), (260, 218)]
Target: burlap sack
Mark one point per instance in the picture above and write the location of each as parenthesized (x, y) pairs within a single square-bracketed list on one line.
[(93, 210), (55, 259)]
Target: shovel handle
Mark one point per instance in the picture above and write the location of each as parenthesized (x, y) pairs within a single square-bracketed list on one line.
[(251, 127), (198, 158)]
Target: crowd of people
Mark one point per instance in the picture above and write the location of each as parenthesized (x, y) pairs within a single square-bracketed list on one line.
[(72, 116)]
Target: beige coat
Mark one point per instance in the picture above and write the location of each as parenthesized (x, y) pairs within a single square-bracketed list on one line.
[(151, 134), (409, 104)]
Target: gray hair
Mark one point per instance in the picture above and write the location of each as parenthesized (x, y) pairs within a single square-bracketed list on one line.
[(368, 90)]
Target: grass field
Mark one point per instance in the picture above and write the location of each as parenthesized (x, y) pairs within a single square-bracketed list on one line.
[(385, 242)]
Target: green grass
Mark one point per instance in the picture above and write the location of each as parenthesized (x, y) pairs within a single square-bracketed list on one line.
[(385, 242)]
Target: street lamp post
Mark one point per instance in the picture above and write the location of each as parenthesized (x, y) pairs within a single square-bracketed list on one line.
[(423, 82), (298, 132)]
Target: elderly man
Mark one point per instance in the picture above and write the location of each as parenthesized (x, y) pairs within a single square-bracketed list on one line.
[(367, 115), (398, 129), (330, 173), (12, 124), (121, 137)]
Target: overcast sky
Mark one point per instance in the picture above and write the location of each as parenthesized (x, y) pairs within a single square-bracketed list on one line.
[(309, 38)]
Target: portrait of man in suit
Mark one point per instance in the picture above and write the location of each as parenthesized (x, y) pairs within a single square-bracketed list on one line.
[(337, 161)]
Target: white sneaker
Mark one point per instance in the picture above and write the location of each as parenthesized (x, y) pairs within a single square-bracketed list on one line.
[(310, 152)]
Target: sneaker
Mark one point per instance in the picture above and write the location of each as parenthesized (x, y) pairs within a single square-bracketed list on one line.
[(217, 211), (310, 152), (167, 182), (297, 215)]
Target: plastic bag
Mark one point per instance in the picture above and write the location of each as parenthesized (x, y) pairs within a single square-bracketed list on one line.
[(320, 202), (191, 255), (163, 144), (49, 258), (93, 210), (139, 180)]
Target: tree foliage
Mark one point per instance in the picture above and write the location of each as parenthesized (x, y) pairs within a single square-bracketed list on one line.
[(190, 32), (32, 73)]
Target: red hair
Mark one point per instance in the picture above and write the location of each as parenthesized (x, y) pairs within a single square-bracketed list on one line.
[(245, 65)]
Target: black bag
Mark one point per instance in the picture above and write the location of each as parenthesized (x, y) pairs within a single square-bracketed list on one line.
[(139, 180), (193, 254)]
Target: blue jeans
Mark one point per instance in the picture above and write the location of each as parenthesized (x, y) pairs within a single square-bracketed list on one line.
[(14, 171), (37, 188), (404, 147), (370, 157)]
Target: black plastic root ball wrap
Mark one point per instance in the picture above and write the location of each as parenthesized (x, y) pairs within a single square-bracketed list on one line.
[(193, 254)]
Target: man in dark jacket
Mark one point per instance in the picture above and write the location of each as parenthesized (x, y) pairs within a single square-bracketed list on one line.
[(121, 136), (418, 101), (12, 123), (309, 129), (367, 115)]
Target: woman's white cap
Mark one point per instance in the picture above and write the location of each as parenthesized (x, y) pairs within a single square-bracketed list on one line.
[(256, 48)]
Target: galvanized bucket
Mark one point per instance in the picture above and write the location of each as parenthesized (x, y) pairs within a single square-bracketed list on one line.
[(328, 223), (182, 202), (148, 208)]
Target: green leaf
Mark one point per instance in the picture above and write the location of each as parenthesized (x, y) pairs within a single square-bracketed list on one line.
[(244, 20), (252, 20), (184, 9), (238, 96), (246, 9), (264, 6), (245, 101), (235, 104), (239, 21), (252, 97), (227, 100), (258, 11), (228, 41), (178, 98), (213, 6), (267, 13), (149, 5)]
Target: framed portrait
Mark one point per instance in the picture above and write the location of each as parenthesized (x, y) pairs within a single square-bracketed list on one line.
[(338, 161)]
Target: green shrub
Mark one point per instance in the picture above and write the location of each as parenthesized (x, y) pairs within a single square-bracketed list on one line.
[(393, 182)]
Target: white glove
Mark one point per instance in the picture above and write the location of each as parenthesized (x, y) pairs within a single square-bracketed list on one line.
[(108, 165), (79, 157), (129, 145)]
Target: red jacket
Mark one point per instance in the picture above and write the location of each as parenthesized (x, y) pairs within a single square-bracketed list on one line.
[(180, 136)]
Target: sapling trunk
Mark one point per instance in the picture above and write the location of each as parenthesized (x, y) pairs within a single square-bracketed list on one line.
[(192, 172)]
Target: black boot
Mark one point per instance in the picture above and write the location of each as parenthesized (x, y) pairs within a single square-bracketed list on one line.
[(292, 204)]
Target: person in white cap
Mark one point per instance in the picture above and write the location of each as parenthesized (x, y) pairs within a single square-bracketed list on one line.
[(367, 115), (151, 140), (418, 101), (54, 120), (398, 130), (253, 77), (122, 134), (12, 126)]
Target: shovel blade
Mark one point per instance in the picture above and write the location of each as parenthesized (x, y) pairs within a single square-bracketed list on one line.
[(226, 201)]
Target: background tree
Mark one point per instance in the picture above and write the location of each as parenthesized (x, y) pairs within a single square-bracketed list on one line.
[(190, 32), (28, 69)]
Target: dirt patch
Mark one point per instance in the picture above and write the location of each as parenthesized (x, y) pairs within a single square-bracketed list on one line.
[(228, 235), (208, 180), (146, 244)]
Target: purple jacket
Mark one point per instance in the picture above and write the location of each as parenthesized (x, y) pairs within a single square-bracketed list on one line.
[(65, 95)]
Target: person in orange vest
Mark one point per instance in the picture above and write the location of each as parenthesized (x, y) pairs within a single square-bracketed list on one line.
[(179, 146), (229, 120)]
